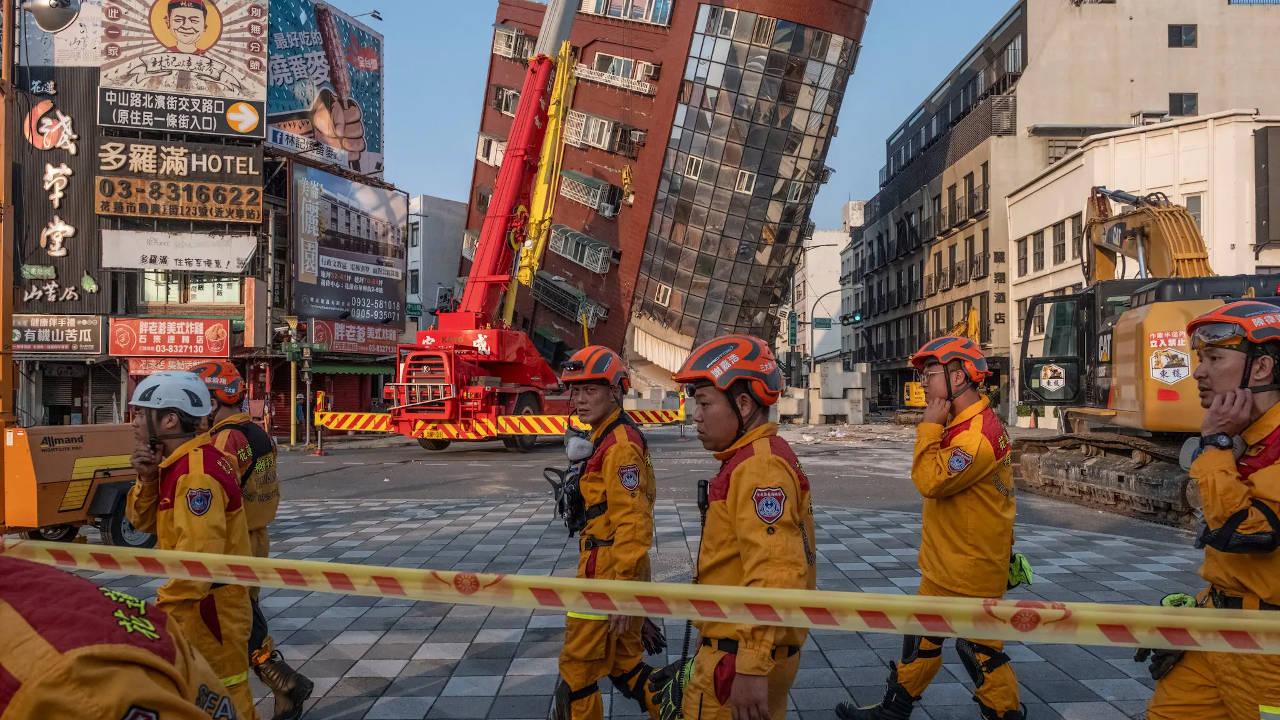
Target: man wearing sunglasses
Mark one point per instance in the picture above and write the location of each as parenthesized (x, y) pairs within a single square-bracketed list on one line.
[(617, 494), (962, 469), (757, 530), (1238, 375)]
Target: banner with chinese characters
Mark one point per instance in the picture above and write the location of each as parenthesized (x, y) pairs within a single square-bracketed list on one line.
[(326, 81), (56, 230), (348, 337), (144, 366), (79, 334), (197, 66), (162, 337), (202, 252), (187, 181), (350, 248)]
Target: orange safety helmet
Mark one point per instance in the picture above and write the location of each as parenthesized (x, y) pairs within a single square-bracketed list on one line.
[(598, 364), (732, 358), (223, 380), (1232, 324), (948, 348)]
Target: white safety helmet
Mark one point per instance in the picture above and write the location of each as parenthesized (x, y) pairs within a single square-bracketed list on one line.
[(169, 390)]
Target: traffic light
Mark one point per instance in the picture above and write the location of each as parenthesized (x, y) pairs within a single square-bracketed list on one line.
[(793, 329)]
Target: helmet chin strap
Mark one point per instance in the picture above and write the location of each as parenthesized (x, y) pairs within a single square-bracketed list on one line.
[(1249, 354), (154, 438)]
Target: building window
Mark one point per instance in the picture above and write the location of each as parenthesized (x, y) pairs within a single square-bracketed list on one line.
[(1037, 251), (575, 124), (1077, 235), (1060, 243), (662, 294), (762, 34), (582, 249), (721, 21), (795, 192), (1194, 203), (599, 133), (490, 150), (189, 288), (746, 182), (1022, 256), (1182, 104), (511, 43), (1182, 36), (505, 100), (1037, 320), (693, 167), (415, 231), (413, 282), (1022, 313), (653, 12)]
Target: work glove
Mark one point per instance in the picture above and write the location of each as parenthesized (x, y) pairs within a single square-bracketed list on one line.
[(1020, 571), (652, 637), (667, 685), (1161, 661)]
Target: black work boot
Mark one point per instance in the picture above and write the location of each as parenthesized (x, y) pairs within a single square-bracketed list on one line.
[(290, 687), (897, 703), (990, 714)]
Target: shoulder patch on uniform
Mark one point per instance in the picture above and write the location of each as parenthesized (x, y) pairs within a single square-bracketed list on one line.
[(769, 502), (199, 500), (959, 460), (629, 476)]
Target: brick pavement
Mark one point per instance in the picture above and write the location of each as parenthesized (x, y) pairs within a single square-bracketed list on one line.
[(386, 658)]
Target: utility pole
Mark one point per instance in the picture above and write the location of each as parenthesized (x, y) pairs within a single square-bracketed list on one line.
[(8, 17), (293, 382)]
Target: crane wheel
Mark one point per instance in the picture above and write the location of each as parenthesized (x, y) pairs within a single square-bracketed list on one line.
[(432, 445), (526, 404), (54, 533)]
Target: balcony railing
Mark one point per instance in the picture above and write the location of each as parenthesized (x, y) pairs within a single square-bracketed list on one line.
[(945, 282), (930, 285), (586, 72), (978, 266), (566, 300), (978, 200), (960, 273), (470, 240)]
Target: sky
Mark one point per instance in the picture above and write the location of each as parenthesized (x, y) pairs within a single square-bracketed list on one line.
[(437, 56)]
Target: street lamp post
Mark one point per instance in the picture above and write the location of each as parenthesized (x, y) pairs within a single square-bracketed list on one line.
[(813, 350)]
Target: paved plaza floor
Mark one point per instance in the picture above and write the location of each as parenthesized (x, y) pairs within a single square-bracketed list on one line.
[(388, 658)]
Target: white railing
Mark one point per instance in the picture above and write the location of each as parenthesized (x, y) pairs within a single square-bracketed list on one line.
[(585, 72)]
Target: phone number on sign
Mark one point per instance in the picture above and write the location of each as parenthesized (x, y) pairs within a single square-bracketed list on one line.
[(158, 198)]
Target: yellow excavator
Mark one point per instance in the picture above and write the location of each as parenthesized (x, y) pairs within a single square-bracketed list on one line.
[(1116, 361)]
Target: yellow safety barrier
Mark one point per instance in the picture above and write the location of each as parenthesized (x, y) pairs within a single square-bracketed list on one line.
[(1237, 631), (505, 425)]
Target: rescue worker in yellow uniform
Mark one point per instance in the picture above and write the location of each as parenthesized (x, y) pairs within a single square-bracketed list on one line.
[(187, 494), (253, 453), (757, 531), (609, 500), (962, 469), (1238, 345), (71, 649)]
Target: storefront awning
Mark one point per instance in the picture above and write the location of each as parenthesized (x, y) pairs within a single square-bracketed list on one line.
[(351, 369)]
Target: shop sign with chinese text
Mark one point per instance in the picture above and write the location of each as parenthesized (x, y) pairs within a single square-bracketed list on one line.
[(348, 337), (161, 337), (198, 66), (143, 366), (79, 334), (186, 181), (203, 252)]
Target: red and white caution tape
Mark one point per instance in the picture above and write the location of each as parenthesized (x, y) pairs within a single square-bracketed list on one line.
[(1234, 631)]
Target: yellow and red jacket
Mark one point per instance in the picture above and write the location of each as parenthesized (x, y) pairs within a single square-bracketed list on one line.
[(964, 473), (195, 506), (261, 490), (1236, 497), (758, 533), (71, 649), (618, 478)]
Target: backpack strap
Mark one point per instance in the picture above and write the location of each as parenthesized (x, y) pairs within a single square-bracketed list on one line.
[(260, 445)]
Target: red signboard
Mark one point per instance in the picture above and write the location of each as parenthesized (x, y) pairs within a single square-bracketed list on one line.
[(170, 337), (143, 366), (348, 337)]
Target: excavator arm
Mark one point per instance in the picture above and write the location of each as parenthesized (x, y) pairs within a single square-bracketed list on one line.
[(1160, 237)]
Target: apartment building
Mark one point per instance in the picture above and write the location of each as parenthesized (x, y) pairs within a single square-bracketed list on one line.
[(853, 216), (695, 146), (937, 235), (435, 240)]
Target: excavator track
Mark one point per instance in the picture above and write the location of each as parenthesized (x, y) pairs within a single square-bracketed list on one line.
[(1122, 474)]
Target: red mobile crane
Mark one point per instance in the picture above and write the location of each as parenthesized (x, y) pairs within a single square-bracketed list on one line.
[(464, 379)]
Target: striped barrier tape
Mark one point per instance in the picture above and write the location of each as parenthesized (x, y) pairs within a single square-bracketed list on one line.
[(478, 429), (1234, 631)]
